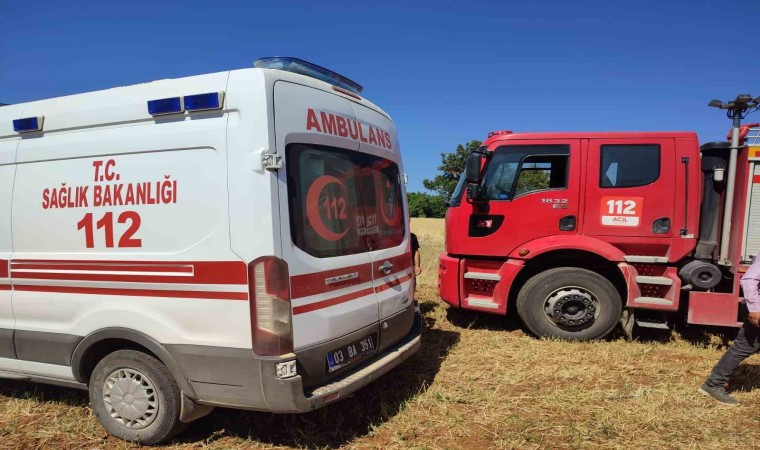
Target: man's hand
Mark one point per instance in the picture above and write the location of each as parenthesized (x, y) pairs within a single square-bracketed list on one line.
[(754, 318), (418, 270)]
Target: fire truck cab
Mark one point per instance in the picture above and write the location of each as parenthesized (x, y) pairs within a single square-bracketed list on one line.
[(581, 231)]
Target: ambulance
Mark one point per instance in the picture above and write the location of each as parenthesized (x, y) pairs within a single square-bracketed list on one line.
[(236, 239)]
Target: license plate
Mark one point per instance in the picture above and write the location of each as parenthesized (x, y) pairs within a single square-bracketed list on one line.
[(351, 353)]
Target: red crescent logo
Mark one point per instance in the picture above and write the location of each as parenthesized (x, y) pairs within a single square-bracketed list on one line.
[(312, 207), (395, 217)]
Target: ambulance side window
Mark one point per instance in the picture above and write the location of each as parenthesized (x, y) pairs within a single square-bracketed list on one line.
[(324, 201), (383, 204), (342, 202)]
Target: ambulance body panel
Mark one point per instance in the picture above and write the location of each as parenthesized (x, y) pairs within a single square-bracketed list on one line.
[(117, 226)]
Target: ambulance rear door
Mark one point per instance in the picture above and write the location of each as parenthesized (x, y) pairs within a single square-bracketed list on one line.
[(386, 223), (321, 212)]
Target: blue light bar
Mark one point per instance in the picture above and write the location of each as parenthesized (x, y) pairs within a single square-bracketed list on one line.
[(28, 124), (202, 102), (165, 106), (308, 69)]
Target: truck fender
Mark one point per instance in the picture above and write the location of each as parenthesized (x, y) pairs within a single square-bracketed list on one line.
[(138, 338), (547, 244)]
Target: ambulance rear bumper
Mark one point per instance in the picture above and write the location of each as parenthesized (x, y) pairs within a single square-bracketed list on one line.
[(288, 396)]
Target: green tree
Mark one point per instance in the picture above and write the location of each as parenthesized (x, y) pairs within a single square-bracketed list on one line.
[(425, 205), (452, 165)]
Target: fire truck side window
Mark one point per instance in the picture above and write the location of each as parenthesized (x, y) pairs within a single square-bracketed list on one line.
[(540, 167), (629, 165), (539, 173)]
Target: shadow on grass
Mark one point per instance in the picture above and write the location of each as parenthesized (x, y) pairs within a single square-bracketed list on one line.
[(343, 422), (43, 393), (745, 378), (332, 426), (472, 320)]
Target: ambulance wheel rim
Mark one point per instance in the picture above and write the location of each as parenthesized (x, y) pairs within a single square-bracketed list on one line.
[(571, 307), (130, 398)]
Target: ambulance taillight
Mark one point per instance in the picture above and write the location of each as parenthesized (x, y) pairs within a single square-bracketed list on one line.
[(271, 317)]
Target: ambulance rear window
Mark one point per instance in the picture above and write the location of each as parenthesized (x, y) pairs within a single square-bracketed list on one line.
[(342, 202)]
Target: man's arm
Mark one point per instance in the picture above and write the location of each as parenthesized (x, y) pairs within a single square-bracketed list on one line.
[(749, 283), (417, 266)]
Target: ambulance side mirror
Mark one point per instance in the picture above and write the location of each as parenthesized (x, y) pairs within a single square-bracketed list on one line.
[(472, 169)]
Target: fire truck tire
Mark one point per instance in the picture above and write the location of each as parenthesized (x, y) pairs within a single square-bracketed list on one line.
[(135, 397), (569, 303)]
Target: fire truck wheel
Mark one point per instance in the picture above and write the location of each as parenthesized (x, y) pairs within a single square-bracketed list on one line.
[(135, 397), (569, 303)]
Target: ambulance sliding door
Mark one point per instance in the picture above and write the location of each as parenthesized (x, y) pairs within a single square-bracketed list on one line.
[(8, 144)]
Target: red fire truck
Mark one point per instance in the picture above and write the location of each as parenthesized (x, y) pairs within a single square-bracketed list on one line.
[(582, 231)]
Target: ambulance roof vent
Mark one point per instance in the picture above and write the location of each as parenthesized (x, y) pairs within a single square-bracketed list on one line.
[(498, 132), (308, 69)]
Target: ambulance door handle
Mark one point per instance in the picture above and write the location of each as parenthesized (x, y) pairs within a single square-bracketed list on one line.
[(385, 268)]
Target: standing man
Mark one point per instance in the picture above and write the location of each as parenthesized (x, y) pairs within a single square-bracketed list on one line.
[(747, 341), (416, 255)]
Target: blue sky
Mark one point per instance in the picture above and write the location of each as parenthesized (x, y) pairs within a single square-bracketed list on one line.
[(447, 72)]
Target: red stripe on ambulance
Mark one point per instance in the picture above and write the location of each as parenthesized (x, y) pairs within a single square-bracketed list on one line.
[(394, 283), (134, 292), (332, 302), (185, 272), (316, 283)]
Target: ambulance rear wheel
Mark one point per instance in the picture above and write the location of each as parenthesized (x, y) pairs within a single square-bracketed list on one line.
[(135, 397), (569, 303)]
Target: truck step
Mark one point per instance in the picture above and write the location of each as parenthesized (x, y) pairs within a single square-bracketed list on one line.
[(652, 301), (662, 281), (645, 259), (651, 324), (479, 303), (482, 276)]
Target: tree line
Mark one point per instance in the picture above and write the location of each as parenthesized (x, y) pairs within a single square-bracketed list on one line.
[(422, 204)]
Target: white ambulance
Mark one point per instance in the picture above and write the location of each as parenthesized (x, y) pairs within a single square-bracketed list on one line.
[(235, 239)]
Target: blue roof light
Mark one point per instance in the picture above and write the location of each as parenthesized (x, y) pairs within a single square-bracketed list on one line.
[(165, 106), (302, 67), (202, 102), (28, 124)]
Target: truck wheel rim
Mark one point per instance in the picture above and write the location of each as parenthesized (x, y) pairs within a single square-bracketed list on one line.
[(571, 307), (130, 398)]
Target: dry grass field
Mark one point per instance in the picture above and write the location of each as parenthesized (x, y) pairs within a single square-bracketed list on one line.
[(477, 382)]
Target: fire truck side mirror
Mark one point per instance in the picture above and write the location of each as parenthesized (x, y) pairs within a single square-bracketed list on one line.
[(472, 169), (473, 192)]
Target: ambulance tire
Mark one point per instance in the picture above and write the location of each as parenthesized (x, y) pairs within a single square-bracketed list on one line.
[(154, 392), (550, 300)]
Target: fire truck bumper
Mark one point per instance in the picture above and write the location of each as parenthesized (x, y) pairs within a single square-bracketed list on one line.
[(448, 279)]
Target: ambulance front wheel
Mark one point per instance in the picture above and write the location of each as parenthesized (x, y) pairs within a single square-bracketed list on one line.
[(569, 303), (135, 397)]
